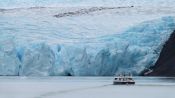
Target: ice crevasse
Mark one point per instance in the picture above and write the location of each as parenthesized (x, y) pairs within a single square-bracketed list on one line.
[(131, 50)]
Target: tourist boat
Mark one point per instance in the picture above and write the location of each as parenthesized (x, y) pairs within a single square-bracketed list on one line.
[(123, 80)]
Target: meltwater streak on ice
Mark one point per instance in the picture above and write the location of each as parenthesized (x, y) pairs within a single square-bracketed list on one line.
[(54, 3)]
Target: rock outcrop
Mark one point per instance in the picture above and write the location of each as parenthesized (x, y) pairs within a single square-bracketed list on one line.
[(165, 65)]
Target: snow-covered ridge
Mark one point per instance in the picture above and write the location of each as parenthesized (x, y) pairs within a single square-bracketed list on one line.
[(131, 50)]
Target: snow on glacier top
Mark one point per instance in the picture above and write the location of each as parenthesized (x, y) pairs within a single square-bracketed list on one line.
[(55, 3), (39, 24)]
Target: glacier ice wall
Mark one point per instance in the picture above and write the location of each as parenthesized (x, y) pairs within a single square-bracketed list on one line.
[(9, 62), (37, 60), (132, 50)]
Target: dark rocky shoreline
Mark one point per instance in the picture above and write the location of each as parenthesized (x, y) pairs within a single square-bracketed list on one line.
[(165, 65)]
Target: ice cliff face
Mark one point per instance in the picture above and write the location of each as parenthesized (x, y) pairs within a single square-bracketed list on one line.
[(40, 55), (9, 63), (131, 50)]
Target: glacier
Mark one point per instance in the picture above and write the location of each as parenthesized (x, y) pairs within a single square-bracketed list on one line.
[(118, 39), (132, 50)]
